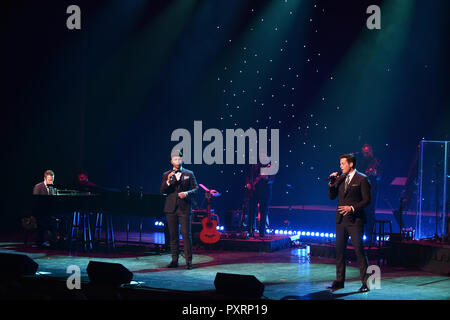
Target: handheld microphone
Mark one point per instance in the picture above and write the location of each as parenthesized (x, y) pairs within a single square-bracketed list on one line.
[(173, 176), (332, 178)]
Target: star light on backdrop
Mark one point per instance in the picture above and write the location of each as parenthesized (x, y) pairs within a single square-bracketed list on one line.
[(371, 71), (283, 71), (263, 82)]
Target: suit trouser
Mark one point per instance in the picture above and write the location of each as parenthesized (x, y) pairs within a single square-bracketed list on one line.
[(253, 212), (355, 231), (263, 209), (175, 219), (252, 209)]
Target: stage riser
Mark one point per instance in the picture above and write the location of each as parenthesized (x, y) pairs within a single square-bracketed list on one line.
[(329, 251), (424, 257), (428, 258), (270, 244)]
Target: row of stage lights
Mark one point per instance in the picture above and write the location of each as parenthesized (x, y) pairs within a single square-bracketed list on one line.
[(303, 233), (161, 224), (312, 234)]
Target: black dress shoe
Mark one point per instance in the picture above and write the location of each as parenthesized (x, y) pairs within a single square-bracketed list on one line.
[(336, 285), (173, 264), (364, 288), (189, 265)]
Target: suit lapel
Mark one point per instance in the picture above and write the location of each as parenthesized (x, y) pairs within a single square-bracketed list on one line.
[(342, 188), (47, 190)]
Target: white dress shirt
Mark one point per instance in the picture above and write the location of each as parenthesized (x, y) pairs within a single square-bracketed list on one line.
[(350, 177), (178, 177), (48, 189)]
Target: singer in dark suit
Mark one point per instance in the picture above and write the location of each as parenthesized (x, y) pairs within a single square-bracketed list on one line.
[(179, 184), (353, 192)]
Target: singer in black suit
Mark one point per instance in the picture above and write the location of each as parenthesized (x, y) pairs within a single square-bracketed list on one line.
[(179, 184), (353, 192)]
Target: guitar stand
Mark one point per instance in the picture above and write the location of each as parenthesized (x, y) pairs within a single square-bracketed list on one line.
[(207, 236)]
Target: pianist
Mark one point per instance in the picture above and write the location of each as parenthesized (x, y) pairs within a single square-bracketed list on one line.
[(45, 187), (179, 184), (44, 223)]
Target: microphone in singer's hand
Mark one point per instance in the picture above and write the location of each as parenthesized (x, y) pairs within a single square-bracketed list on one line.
[(173, 176), (333, 178)]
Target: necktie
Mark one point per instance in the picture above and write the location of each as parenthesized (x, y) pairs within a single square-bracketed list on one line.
[(347, 182)]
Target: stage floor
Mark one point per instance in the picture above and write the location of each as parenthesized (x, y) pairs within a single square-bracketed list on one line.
[(288, 274)]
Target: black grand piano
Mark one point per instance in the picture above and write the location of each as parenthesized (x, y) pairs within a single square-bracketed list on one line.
[(103, 205)]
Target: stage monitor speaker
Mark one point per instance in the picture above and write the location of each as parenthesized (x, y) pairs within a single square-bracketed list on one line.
[(238, 285), (108, 273), (16, 265)]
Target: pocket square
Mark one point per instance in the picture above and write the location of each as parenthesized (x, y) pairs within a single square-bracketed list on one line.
[(355, 185), (185, 177)]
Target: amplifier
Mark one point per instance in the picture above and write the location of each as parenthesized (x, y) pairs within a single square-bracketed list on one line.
[(199, 214)]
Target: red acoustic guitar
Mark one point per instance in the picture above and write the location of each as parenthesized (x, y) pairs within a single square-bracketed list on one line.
[(209, 233)]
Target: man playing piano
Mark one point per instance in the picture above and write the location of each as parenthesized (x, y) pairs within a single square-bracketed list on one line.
[(179, 184), (45, 187), (44, 223)]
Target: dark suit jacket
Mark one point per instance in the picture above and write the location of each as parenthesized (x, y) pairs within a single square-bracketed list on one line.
[(40, 189), (187, 183), (357, 195)]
